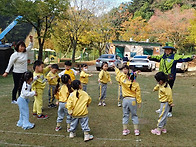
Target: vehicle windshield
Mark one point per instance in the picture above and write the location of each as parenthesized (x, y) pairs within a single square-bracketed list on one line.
[(107, 56), (139, 61)]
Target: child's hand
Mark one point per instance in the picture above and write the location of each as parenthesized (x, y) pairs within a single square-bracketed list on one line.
[(110, 82), (35, 93), (54, 77), (99, 80), (113, 65), (139, 105), (90, 75), (57, 103), (172, 105)]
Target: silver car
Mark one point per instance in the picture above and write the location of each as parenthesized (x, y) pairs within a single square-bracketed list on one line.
[(110, 59)]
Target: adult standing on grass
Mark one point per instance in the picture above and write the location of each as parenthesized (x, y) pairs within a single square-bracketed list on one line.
[(19, 60), (168, 62)]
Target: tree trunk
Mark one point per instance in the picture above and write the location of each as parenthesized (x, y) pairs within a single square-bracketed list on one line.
[(74, 45)]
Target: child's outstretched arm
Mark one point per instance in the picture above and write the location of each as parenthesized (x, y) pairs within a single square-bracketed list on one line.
[(156, 88)]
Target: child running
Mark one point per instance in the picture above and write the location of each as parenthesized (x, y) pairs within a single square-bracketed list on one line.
[(39, 86), (52, 78), (69, 71), (131, 98), (23, 101), (125, 70), (84, 76), (77, 104), (165, 97), (62, 96), (104, 78)]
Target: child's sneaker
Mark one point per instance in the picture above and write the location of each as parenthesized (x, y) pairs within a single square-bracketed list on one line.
[(156, 132), (126, 132), (99, 104), (34, 114), (14, 102), (104, 104), (58, 128), (137, 132), (42, 116), (68, 130), (72, 135), (158, 111), (119, 104), (88, 137), (164, 131), (50, 106), (169, 114)]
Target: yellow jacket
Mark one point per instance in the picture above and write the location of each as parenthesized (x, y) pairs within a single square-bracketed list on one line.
[(51, 80), (84, 77), (71, 73), (125, 83), (104, 76), (77, 107), (63, 94), (40, 83), (165, 93)]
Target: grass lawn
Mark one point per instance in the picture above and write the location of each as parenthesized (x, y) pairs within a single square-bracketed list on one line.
[(105, 122)]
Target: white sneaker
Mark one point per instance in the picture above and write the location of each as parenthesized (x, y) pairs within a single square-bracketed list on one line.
[(88, 137), (158, 111), (99, 104), (169, 114), (72, 135), (104, 104), (14, 102), (119, 104)]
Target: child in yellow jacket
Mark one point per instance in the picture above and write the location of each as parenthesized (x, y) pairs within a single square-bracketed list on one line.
[(62, 95), (165, 97), (52, 78), (39, 86), (104, 78), (77, 104), (131, 98), (84, 76)]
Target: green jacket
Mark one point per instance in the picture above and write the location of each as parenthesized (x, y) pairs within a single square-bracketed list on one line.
[(168, 62)]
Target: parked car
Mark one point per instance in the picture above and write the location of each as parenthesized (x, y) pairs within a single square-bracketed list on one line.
[(142, 63), (110, 59), (182, 66)]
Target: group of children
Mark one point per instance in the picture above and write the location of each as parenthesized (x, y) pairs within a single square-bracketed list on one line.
[(73, 100)]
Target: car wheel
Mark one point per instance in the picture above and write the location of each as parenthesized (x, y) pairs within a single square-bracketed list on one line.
[(150, 70), (98, 68)]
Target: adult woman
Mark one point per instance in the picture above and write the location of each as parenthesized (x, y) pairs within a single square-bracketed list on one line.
[(19, 60), (168, 63)]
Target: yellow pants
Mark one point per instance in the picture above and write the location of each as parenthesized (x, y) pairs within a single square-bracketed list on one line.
[(38, 103)]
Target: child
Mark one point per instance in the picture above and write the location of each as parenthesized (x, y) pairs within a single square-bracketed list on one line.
[(84, 76), (39, 86), (125, 70), (131, 97), (23, 101), (52, 78), (62, 96), (104, 78), (165, 97), (77, 104), (69, 71)]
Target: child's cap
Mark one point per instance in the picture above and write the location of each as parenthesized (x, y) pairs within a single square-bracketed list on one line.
[(68, 63), (55, 66)]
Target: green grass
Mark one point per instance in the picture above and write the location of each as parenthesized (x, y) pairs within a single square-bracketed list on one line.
[(106, 122)]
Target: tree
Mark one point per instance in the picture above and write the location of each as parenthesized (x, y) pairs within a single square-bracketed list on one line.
[(39, 13), (171, 26)]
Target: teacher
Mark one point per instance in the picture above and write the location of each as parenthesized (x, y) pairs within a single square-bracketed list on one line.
[(168, 63), (19, 60)]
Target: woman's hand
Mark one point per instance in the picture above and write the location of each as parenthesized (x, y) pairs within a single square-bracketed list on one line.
[(5, 74), (31, 38)]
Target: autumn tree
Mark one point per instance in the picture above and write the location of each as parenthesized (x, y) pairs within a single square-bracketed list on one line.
[(39, 13), (171, 26)]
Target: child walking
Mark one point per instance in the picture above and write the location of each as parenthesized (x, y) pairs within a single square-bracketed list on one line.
[(62, 96), (39, 86), (131, 98), (165, 97), (77, 104), (69, 71), (23, 101), (84, 76), (104, 78), (52, 78)]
